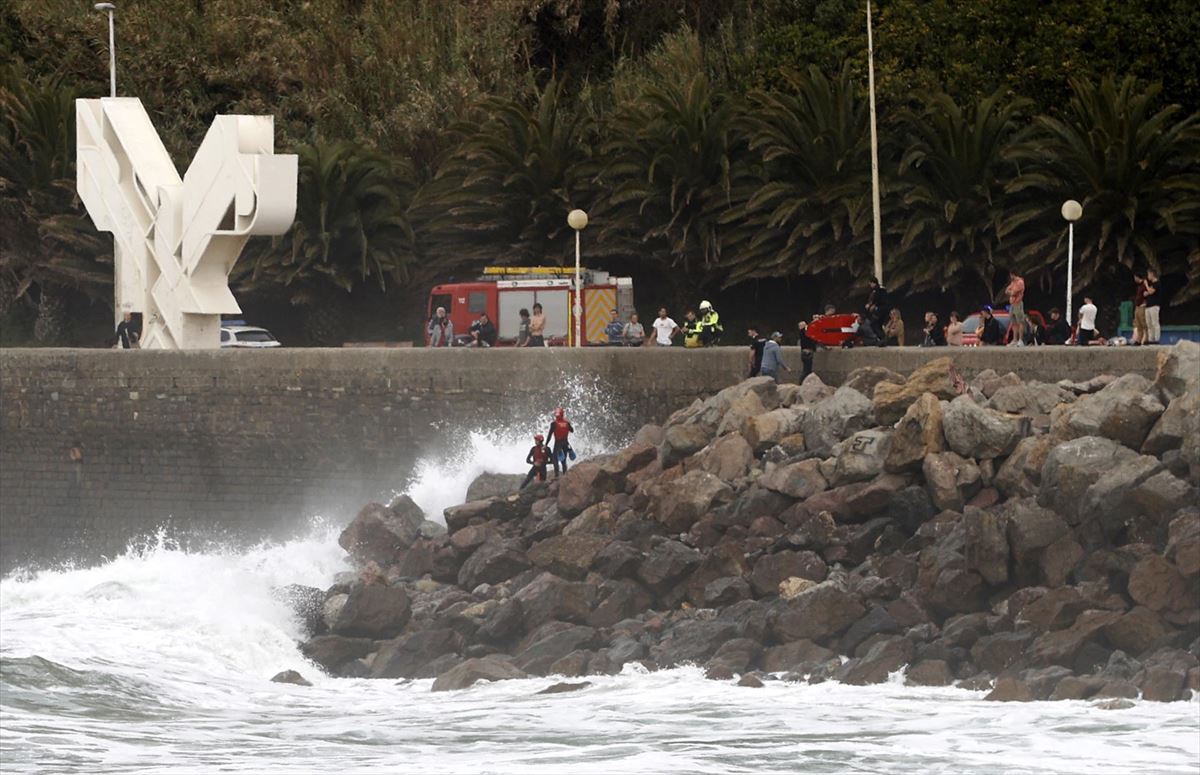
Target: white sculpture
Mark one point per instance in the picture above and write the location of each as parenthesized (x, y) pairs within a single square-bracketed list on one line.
[(175, 241)]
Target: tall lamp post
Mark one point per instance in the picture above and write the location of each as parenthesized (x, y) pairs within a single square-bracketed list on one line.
[(878, 241), (577, 220), (1072, 211), (112, 47)]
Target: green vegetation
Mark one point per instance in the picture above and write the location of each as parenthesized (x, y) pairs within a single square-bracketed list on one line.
[(714, 143)]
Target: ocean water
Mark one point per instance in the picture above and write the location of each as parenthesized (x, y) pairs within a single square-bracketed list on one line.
[(159, 661)]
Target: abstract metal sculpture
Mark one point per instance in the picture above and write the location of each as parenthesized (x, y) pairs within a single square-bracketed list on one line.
[(176, 241)]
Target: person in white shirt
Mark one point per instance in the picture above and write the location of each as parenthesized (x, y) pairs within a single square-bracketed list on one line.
[(664, 328), (1087, 322)]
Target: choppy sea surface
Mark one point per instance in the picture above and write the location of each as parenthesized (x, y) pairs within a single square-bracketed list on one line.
[(159, 661)]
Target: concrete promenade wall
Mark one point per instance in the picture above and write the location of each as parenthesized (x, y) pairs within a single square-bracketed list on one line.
[(100, 446)]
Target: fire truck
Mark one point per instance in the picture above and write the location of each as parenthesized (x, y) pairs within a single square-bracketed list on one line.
[(503, 291)]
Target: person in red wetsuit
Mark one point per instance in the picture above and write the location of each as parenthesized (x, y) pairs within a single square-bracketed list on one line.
[(559, 431), (538, 457)]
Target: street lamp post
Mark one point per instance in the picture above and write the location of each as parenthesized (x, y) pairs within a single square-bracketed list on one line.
[(1071, 211), (878, 237), (112, 47), (578, 220)]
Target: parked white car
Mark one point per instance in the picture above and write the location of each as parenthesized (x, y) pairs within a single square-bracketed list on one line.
[(247, 336)]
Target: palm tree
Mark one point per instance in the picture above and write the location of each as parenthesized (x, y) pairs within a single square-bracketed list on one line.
[(503, 195), (669, 163), (953, 176), (806, 208), (1135, 169)]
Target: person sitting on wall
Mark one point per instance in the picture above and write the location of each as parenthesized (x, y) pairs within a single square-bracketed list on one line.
[(483, 333)]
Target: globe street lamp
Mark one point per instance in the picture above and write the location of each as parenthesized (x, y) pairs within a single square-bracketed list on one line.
[(1072, 211), (577, 220), (112, 47)]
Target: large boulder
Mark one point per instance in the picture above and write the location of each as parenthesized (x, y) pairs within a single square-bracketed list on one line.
[(917, 434), (796, 480), (569, 556), (1137, 630), (492, 668), (667, 564), (632, 458), (549, 597), (1180, 420), (379, 532), (865, 378), (683, 441), (332, 652), (1030, 398), (1074, 466), (1183, 541), (540, 654), (693, 640), (1062, 647), (1124, 411), (861, 457), (835, 418), (1136, 487), (976, 432), (1021, 472), (1031, 530), (763, 431), (494, 561), (986, 545), (489, 484), (950, 480), (1178, 370), (728, 458), (885, 657), (713, 409), (410, 655), (822, 611), (740, 409), (583, 485), (771, 569), (1156, 583), (891, 400), (374, 611), (682, 502)]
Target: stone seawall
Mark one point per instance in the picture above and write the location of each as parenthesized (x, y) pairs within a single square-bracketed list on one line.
[(99, 446)]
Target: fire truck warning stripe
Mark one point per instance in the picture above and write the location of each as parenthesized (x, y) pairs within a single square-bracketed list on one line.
[(598, 306)]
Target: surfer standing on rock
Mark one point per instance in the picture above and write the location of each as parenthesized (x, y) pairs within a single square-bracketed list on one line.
[(560, 431)]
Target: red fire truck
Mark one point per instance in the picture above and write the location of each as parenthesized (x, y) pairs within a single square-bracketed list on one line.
[(505, 290)]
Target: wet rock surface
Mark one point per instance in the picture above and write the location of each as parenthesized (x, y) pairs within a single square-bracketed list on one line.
[(1034, 541)]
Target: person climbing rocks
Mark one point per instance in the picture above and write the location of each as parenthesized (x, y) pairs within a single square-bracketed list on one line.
[(538, 457), (560, 431), (710, 325)]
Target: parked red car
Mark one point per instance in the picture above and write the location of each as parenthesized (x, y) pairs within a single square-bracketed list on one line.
[(974, 322)]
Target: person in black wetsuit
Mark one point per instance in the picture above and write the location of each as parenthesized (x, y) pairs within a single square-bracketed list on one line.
[(560, 431), (538, 457)]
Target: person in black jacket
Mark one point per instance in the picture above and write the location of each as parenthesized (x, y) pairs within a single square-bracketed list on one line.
[(990, 332), (935, 335), (878, 305), (807, 348), (1057, 332), (483, 331), (757, 342)]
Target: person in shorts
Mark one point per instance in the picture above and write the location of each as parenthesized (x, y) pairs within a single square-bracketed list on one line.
[(1016, 308)]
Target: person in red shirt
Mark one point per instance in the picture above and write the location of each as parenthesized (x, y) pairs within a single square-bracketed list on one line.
[(559, 431), (538, 457), (1016, 308)]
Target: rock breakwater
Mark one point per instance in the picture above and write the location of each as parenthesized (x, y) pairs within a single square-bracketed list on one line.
[(1038, 540)]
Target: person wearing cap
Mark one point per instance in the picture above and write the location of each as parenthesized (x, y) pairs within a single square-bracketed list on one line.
[(772, 357), (538, 458), (710, 325), (990, 332)]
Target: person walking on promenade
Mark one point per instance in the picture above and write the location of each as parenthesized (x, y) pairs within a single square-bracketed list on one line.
[(1016, 308), (665, 329), (1139, 309), (893, 329), (1087, 322), (772, 357), (954, 331), (757, 343), (537, 327), (1153, 300), (440, 329), (560, 431)]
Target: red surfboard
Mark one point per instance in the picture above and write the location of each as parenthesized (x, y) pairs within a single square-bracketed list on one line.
[(833, 330)]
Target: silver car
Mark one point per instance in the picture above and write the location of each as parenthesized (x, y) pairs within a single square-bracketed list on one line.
[(247, 336)]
